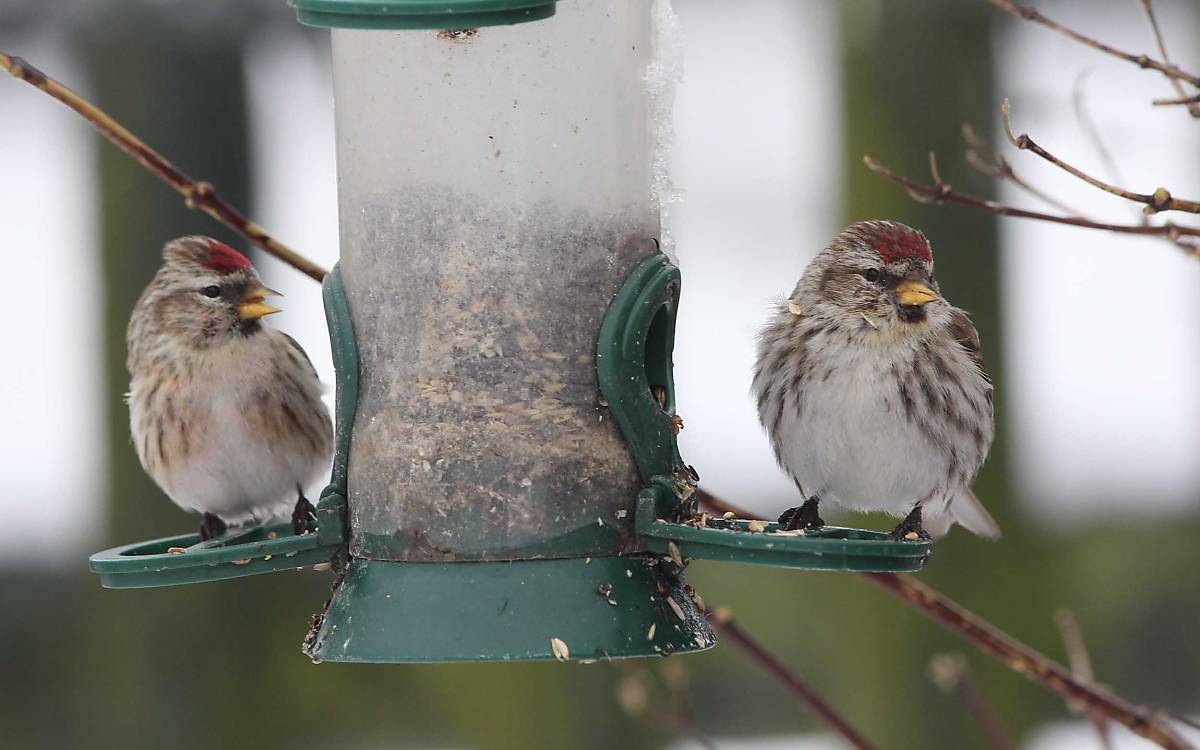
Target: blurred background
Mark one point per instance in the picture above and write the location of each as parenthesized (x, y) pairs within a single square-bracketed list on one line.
[(1093, 341)]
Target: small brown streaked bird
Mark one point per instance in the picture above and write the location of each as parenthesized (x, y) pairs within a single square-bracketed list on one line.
[(872, 388), (226, 413)]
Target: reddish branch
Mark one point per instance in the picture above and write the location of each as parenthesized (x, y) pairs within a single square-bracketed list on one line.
[(950, 673), (727, 627), (1192, 106), (941, 192), (1144, 61), (1012, 653), (1160, 200), (1081, 667), (196, 194)]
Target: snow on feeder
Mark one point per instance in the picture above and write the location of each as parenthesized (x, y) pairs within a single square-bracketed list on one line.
[(507, 483)]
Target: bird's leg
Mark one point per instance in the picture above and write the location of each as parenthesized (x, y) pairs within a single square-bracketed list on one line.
[(211, 527), (803, 517), (304, 517), (909, 526)]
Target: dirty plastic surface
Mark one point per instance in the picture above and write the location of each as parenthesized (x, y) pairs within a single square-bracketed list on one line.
[(495, 192)]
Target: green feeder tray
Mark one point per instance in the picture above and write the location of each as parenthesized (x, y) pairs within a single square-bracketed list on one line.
[(420, 14), (634, 363)]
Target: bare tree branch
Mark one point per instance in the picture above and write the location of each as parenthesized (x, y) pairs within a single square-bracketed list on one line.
[(1160, 200), (196, 194), (981, 156), (942, 193), (1143, 61), (1181, 100), (1081, 667), (950, 673), (1013, 654), (1192, 107), (723, 621)]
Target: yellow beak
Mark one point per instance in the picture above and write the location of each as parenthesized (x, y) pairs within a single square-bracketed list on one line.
[(252, 306), (914, 293)]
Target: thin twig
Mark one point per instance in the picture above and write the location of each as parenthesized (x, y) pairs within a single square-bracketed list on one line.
[(1193, 107), (673, 675), (981, 156), (1143, 61), (1081, 667), (723, 621), (1012, 653), (950, 673), (1088, 125), (1160, 200), (1181, 100), (196, 194), (943, 193)]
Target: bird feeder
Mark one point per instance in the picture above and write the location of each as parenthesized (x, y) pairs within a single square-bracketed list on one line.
[(507, 482)]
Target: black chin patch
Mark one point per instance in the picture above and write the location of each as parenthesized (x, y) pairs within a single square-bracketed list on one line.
[(911, 313), (247, 327)]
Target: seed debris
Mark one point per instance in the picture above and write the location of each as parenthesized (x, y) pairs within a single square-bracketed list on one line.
[(673, 549), (756, 527), (559, 647), (176, 551), (678, 610)]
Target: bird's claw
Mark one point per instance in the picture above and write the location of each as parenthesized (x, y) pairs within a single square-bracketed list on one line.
[(805, 516), (211, 527), (910, 529), (304, 517)]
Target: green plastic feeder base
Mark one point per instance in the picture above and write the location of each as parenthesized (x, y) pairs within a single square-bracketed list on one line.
[(595, 608)]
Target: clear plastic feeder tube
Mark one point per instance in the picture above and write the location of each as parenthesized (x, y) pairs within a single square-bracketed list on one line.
[(495, 190)]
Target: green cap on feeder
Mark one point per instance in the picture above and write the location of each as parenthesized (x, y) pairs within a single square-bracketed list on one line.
[(420, 14), (507, 482)]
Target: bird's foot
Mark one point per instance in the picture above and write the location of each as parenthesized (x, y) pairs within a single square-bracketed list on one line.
[(803, 517), (304, 517), (910, 528), (211, 527)]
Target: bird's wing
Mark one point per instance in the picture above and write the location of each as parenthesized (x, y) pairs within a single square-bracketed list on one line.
[(303, 354), (963, 331)]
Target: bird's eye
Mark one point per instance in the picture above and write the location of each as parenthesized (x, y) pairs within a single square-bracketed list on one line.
[(211, 291), (871, 275)]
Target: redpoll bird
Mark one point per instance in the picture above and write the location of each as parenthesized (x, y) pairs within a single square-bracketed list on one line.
[(872, 388), (226, 414)]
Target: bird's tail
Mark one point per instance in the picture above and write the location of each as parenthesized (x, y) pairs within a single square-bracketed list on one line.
[(965, 510)]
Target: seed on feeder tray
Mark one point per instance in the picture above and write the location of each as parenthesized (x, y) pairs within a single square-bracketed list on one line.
[(650, 632), (788, 532), (323, 566), (628, 573), (241, 562), (673, 549), (701, 641), (756, 527), (678, 610), (561, 652), (622, 513), (729, 515), (176, 551), (911, 536), (698, 600)]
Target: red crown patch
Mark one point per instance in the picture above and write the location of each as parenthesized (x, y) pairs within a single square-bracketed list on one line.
[(224, 259), (902, 244)]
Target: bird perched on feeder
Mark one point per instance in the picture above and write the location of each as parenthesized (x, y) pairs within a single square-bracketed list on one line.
[(872, 388), (226, 414)]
